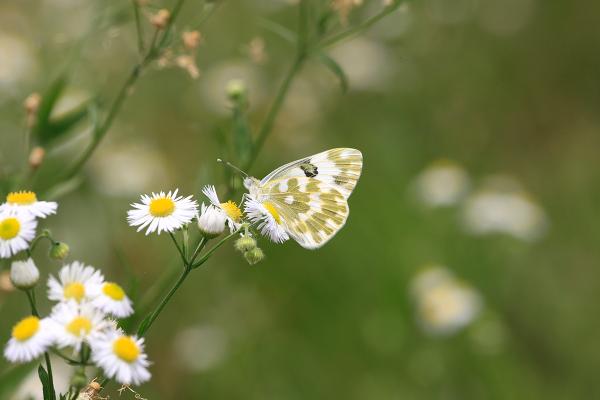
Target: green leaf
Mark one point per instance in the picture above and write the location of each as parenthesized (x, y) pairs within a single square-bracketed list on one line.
[(49, 99), (324, 22), (144, 325), (11, 378), (46, 387), (60, 126), (334, 67)]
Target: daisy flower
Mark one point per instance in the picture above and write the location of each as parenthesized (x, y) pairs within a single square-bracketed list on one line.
[(268, 219), (162, 212), (121, 357), (28, 202), (77, 324), (75, 282), (24, 274), (230, 210), (17, 229), (30, 338), (111, 299)]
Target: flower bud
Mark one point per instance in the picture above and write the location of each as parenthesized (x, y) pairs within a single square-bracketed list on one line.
[(211, 221), (59, 251), (36, 157), (24, 274), (160, 19), (236, 89), (254, 256), (79, 379), (191, 39), (245, 244)]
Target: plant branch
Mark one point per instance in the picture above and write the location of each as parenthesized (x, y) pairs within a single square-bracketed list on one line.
[(138, 25), (206, 255), (31, 297)]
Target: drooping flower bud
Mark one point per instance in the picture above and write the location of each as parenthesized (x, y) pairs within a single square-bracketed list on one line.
[(245, 243), (59, 251), (254, 256), (236, 89), (211, 221), (24, 274), (160, 19)]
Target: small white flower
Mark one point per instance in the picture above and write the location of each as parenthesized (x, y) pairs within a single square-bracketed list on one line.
[(211, 220), (76, 282), (77, 324), (24, 274), (28, 202), (121, 357), (444, 183), (444, 304), (230, 210), (17, 229), (268, 219), (30, 338), (111, 299), (162, 212)]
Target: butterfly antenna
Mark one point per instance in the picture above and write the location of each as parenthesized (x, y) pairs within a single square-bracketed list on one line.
[(230, 165)]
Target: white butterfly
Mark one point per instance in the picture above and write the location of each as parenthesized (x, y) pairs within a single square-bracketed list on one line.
[(306, 199)]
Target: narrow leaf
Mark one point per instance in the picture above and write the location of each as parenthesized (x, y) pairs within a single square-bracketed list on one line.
[(334, 67), (279, 30), (48, 102), (56, 128), (46, 389)]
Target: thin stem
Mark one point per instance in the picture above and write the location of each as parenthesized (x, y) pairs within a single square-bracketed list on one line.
[(359, 28), (199, 248), (138, 25), (181, 253), (145, 326), (69, 360), (206, 255), (31, 297)]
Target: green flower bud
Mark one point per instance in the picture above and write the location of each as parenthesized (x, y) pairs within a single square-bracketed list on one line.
[(236, 89), (254, 256), (245, 244), (78, 379), (59, 251)]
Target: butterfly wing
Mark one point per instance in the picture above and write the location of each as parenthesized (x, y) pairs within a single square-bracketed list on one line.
[(339, 168), (311, 210)]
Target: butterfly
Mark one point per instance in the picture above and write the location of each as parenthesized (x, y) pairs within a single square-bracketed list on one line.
[(307, 199)]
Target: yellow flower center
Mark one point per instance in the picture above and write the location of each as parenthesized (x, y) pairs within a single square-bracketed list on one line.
[(271, 209), (9, 228), (126, 349), (162, 207), (74, 290), (21, 198), (113, 291), (26, 328), (79, 326), (232, 210)]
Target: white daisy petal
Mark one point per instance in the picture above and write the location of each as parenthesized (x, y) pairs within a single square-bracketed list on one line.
[(17, 229), (75, 282), (266, 223), (30, 338), (111, 299), (27, 202), (162, 212), (77, 323), (230, 210)]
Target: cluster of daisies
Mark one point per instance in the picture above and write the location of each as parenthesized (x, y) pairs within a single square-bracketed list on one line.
[(168, 212), (84, 316)]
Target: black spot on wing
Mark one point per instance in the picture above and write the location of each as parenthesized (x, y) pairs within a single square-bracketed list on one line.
[(310, 170)]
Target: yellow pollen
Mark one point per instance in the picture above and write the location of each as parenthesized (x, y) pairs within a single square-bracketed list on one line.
[(74, 290), (232, 210), (79, 326), (271, 209), (113, 291), (26, 328), (126, 349), (162, 207), (9, 228), (21, 198)]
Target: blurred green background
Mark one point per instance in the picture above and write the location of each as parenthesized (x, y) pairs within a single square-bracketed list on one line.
[(499, 87)]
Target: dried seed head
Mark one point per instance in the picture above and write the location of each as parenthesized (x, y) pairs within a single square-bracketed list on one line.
[(188, 63), (32, 103), (160, 19), (191, 39)]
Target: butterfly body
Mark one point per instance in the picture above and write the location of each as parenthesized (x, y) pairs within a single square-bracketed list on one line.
[(307, 198)]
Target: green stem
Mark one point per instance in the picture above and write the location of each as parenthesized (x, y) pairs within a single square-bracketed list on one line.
[(138, 25), (69, 360), (206, 255), (359, 28), (199, 248), (181, 253), (31, 297), (145, 326)]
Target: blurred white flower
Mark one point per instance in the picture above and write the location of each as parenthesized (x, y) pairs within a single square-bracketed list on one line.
[(18, 62), (28, 203), (443, 183), (444, 304), (17, 229), (111, 299), (29, 339), (367, 64), (201, 348), (76, 282), (501, 206), (139, 166)]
